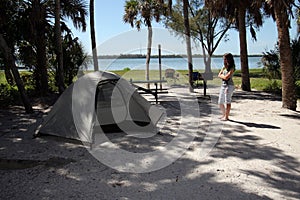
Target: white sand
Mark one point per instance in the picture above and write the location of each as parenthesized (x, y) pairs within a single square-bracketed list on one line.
[(257, 156)]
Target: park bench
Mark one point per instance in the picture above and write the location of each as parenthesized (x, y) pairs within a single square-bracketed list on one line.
[(197, 76)]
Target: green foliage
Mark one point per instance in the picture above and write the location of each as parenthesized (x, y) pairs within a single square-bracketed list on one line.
[(143, 12), (270, 61), (207, 30), (253, 73), (22, 25), (9, 95), (126, 69), (28, 80), (74, 58), (298, 89), (2, 78), (296, 57), (273, 87)]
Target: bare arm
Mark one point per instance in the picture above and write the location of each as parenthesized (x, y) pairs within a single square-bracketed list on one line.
[(221, 72), (227, 76)]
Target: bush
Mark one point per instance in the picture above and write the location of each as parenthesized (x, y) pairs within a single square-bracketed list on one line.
[(126, 69), (273, 87), (9, 95), (298, 89), (296, 57), (271, 64)]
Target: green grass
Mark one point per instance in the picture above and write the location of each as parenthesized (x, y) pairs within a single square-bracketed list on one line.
[(257, 78), (253, 73), (2, 78)]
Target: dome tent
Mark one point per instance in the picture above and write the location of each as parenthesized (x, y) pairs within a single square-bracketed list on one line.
[(99, 99)]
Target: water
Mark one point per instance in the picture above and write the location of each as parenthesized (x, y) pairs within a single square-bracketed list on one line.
[(175, 63)]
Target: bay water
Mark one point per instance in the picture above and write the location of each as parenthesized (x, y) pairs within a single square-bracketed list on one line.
[(174, 63)]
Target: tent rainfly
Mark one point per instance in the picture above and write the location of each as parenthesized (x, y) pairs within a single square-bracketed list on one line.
[(99, 99)]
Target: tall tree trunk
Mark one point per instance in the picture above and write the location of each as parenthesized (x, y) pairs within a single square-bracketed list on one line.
[(93, 35), (59, 51), (148, 56), (41, 74), (188, 42), (42, 65), (289, 99), (243, 50), (12, 66), (8, 76)]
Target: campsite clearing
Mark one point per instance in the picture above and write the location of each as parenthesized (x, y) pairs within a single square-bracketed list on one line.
[(257, 156)]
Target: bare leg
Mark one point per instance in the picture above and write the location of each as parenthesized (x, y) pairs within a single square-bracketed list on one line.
[(222, 108), (228, 107)]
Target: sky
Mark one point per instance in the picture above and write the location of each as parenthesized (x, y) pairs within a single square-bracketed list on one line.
[(114, 37)]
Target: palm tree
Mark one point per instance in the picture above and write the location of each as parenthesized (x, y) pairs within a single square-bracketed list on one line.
[(138, 12), (59, 51), (246, 86), (37, 17), (93, 35), (187, 31), (280, 11), (236, 12), (6, 18), (10, 61), (40, 14), (9, 37)]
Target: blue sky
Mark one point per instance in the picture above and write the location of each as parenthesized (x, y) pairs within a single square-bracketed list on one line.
[(115, 37)]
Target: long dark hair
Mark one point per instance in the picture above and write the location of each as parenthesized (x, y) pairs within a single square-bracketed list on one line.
[(229, 58)]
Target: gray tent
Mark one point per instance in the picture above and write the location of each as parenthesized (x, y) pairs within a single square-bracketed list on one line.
[(99, 99)]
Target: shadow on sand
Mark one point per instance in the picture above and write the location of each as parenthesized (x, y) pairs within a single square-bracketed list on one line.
[(87, 178), (255, 125)]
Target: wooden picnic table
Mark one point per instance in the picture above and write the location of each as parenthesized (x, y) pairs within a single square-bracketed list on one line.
[(154, 91)]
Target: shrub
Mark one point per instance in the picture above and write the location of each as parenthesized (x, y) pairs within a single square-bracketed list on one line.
[(296, 57), (271, 63), (298, 89), (273, 87), (9, 95), (126, 69)]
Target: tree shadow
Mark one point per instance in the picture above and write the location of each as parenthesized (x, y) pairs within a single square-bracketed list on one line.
[(186, 178), (287, 182), (246, 146), (256, 95), (292, 116), (256, 125)]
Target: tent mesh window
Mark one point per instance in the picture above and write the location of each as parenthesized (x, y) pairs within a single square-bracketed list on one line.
[(108, 92)]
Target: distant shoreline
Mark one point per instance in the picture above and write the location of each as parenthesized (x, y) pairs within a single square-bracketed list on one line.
[(131, 56)]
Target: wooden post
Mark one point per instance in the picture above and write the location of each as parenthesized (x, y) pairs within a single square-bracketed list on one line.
[(159, 64), (204, 86), (156, 95)]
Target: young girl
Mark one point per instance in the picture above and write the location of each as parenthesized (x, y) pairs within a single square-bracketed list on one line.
[(227, 86)]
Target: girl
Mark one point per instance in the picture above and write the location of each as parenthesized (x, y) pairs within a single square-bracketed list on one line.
[(227, 86)]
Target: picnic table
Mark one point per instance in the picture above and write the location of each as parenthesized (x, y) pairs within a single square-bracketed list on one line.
[(154, 91)]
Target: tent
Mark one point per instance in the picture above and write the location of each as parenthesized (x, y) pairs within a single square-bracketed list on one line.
[(99, 99)]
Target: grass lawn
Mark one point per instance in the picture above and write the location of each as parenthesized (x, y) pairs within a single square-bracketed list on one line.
[(258, 81), (257, 78), (2, 78)]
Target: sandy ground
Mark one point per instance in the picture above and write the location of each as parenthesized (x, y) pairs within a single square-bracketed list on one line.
[(256, 156)]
